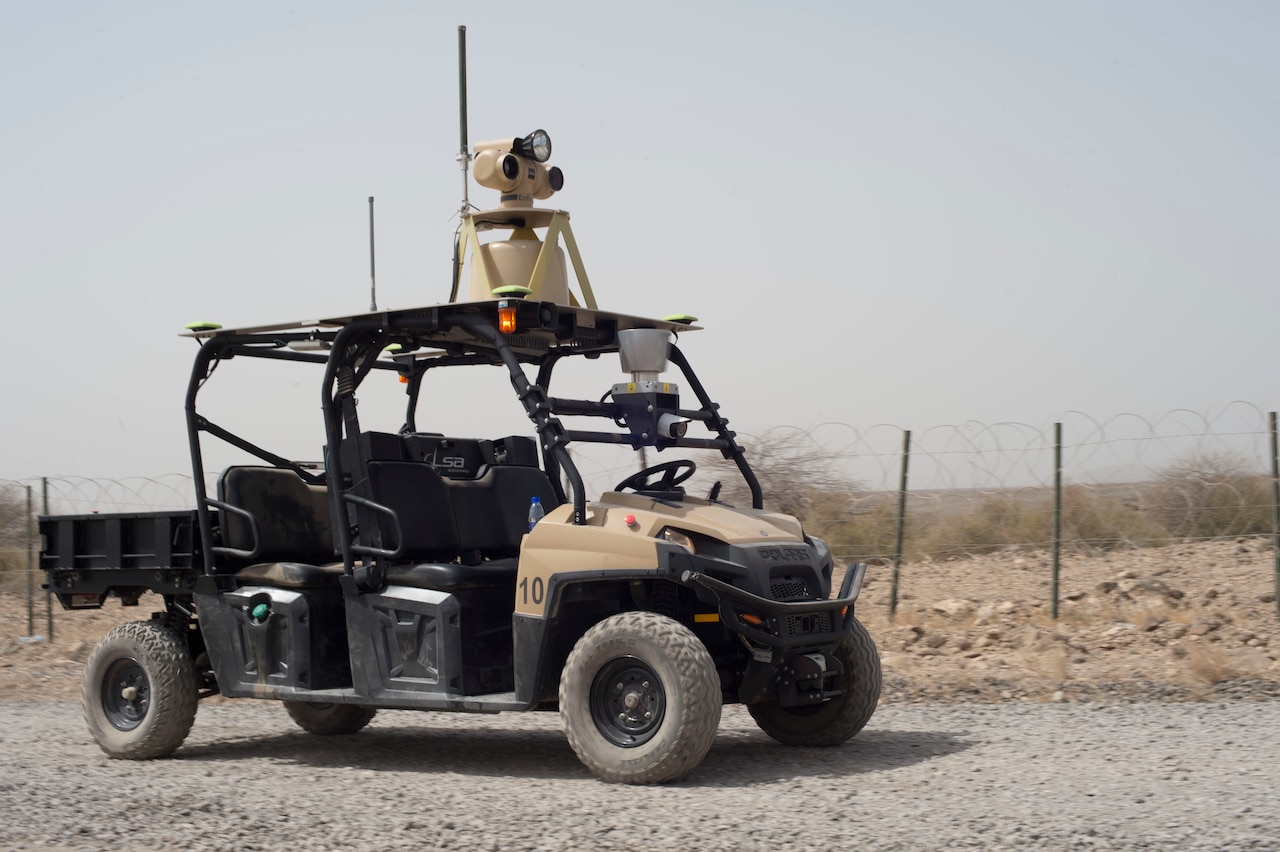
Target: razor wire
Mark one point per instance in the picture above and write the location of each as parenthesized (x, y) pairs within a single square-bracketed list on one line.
[(1128, 481)]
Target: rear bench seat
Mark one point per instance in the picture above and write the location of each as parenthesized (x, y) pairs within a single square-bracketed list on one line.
[(293, 547), (462, 505)]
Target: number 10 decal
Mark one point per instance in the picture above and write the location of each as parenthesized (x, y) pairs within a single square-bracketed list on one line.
[(536, 587)]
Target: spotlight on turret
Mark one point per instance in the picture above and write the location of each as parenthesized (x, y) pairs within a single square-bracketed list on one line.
[(536, 146)]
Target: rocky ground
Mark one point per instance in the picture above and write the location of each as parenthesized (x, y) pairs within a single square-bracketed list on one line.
[(1189, 622), (1195, 621)]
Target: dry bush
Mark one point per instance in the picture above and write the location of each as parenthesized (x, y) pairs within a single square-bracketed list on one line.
[(1201, 496), (1212, 495), (1089, 612), (1209, 663), (796, 474), (1049, 661), (994, 522), (1091, 520), (1095, 520), (13, 570), (15, 527), (13, 516), (858, 530), (1149, 616)]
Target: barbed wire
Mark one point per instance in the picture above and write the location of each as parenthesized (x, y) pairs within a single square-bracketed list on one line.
[(1130, 480)]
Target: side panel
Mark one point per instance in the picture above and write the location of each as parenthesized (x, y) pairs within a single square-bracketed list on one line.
[(267, 643), (408, 642), (556, 549)]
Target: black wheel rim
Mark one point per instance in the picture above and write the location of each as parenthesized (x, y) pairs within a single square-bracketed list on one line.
[(627, 702), (126, 694)]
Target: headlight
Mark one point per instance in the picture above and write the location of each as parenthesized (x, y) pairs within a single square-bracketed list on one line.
[(676, 537)]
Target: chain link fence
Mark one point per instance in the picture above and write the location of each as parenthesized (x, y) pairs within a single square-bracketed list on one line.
[(885, 493)]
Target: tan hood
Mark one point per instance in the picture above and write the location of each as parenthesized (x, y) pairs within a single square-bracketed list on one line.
[(726, 523)]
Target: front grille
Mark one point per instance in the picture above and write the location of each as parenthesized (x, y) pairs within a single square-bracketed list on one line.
[(798, 625), (787, 589)]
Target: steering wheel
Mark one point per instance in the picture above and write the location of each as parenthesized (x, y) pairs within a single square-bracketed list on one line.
[(661, 477)]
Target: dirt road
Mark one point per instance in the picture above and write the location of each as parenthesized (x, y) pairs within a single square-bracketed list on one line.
[(922, 776)]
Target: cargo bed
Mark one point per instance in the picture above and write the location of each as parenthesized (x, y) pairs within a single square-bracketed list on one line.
[(90, 557)]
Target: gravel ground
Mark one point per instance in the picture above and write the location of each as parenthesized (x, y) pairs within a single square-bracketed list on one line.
[(922, 776)]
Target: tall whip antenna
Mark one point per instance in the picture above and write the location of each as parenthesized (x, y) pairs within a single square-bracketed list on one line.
[(464, 157), (373, 276)]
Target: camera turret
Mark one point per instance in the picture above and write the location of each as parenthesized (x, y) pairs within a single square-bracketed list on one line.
[(523, 263), (517, 169)]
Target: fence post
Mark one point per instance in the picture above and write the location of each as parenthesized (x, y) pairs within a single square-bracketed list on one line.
[(902, 523), (48, 593), (31, 574), (1057, 517), (1275, 509)]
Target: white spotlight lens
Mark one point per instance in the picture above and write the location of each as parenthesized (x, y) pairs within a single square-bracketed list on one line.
[(537, 145)]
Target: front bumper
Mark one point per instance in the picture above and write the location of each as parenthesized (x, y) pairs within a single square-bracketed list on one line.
[(792, 643), (784, 626)]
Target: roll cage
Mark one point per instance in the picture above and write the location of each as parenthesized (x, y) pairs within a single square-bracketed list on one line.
[(412, 343)]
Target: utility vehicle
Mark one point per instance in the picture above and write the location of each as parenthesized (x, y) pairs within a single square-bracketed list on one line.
[(402, 570)]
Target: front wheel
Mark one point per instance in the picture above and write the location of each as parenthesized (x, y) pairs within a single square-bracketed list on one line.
[(640, 699), (328, 719), (838, 719), (140, 691)]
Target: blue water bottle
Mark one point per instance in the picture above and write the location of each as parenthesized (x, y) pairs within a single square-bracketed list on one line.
[(535, 511)]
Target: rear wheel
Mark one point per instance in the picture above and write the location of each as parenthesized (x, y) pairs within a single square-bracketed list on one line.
[(329, 719), (140, 691), (640, 699), (838, 719)]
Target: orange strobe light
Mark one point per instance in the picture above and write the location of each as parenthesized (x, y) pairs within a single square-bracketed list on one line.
[(506, 318)]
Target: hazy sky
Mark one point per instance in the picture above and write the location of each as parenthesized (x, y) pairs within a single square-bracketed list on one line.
[(905, 213)]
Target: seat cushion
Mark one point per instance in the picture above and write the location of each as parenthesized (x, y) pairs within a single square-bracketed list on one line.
[(291, 575), (452, 576)]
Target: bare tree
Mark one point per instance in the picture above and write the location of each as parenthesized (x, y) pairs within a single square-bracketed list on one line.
[(13, 515), (1206, 495), (796, 473)]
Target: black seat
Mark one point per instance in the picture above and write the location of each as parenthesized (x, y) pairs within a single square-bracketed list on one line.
[(418, 497), (492, 511), (291, 516), (294, 542)]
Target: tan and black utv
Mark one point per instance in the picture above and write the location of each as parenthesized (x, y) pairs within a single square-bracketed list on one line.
[(404, 571)]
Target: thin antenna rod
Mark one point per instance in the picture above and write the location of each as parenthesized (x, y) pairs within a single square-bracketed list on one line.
[(464, 156), (464, 159), (373, 274)]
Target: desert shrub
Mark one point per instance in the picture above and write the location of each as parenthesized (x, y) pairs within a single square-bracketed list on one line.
[(993, 522), (13, 537), (1209, 663), (797, 475), (13, 569), (1095, 519), (866, 531), (13, 515), (1200, 496), (1211, 496)]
